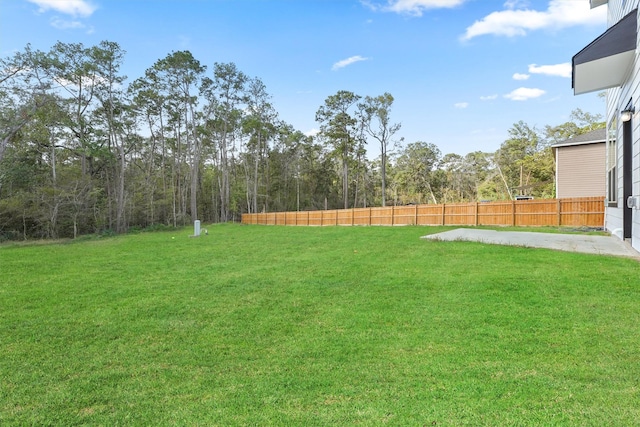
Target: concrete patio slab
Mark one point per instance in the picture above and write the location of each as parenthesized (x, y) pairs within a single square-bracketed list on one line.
[(602, 245)]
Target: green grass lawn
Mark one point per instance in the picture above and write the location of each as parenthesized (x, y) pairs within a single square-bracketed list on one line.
[(255, 325)]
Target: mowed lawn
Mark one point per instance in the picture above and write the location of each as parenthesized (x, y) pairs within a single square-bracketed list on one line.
[(255, 325)]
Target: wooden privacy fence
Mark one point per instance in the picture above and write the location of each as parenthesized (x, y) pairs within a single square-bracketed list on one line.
[(577, 212)]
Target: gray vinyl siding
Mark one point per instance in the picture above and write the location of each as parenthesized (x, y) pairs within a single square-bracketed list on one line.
[(617, 99), (581, 171)]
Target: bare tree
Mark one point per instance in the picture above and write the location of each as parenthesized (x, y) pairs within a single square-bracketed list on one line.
[(376, 112)]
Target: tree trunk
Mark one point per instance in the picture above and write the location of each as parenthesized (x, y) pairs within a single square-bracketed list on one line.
[(384, 179), (120, 226), (345, 183)]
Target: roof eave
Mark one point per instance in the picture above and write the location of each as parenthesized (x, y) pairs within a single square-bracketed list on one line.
[(573, 144), (607, 61)]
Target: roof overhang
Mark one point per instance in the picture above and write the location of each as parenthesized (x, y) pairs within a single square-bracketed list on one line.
[(607, 60), (574, 144), (596, 3)]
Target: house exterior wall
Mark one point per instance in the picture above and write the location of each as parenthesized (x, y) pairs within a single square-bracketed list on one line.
[(579, 170), (617, 100)]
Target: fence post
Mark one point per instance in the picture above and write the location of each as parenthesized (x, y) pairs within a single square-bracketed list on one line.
[(321, 218), (370, 212), (393, 211), (337, 216), (476, 214), (443, 209), (416, 220), (559, 213), (513, 213)]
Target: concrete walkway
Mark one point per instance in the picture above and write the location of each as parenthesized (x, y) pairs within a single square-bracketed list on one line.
[(602, 245)]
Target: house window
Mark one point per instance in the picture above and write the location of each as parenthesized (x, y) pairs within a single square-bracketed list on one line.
[(612, 163)]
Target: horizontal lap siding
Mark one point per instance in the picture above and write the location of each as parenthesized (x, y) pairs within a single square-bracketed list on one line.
[(581, 171), (580, 212)]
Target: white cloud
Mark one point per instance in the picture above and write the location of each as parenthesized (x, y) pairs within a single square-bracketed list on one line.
[(517, 22), (87, 81), (412, 7), (515, 4), (461, 105), (518, 76), (561, 70), (488, 98), (62, 24), (348, 61), (524, 93), (68, 7), (312, 132)]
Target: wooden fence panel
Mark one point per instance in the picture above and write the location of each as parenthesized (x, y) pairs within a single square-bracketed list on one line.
[(279, 218), (381, 216), (404, 215), (429, 215), (270, 218), (579, 212), (330, 217), (361, 216), (536, 212), (582, 212), (302, 218), (345, 217), (496, 213), (315, 218), (460, 214), (291, 218)]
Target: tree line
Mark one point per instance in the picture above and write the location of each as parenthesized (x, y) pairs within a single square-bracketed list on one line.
[(82, 152)]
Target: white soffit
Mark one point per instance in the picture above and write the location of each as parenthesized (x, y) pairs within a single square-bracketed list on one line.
[(602, 73), (606, 61), (596, 3)]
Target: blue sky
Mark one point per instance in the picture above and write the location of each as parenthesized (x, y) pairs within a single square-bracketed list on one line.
[(462, 72)]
